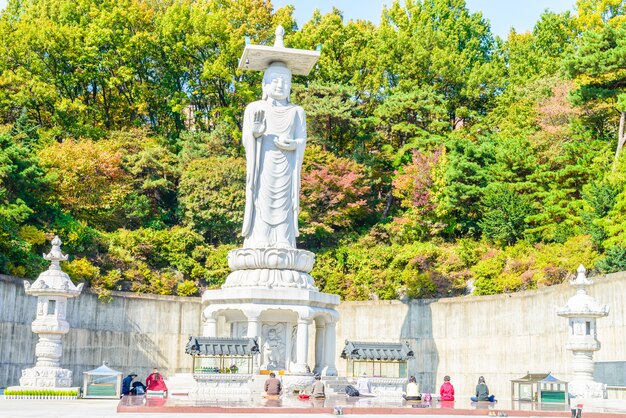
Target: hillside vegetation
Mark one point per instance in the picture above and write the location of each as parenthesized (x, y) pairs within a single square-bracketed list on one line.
[(440, 157)]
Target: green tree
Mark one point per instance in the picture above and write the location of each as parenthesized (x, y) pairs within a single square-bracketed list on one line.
[(439, 43), (24, 189), (465, 176), (212, 197), (598, 65), (504, 214), (331, 112), (89, 180), (613, 261)]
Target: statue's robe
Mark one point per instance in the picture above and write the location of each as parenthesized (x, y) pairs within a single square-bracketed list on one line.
[(273, 176)]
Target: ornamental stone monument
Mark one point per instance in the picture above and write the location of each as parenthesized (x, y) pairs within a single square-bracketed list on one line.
[(582, 311), (270, 294), (52, 288)]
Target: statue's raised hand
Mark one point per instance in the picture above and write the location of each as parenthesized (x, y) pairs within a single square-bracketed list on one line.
[(259, 125)]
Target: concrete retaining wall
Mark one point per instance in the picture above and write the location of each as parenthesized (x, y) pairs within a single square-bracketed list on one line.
[(500, 337), (132, 332)]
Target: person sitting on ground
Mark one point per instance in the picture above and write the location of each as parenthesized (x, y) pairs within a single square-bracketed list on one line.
[(273, 387), (447, 390), (155, 382), (363, 385), (351, 391), (138, 388), (412, 390), (318, 390), (482, 392), (126, 383)]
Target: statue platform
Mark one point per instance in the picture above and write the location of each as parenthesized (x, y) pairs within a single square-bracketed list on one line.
[(280, 318)]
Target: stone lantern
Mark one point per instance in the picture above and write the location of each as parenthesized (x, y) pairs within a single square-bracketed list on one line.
[(52, 288), (582, 311)]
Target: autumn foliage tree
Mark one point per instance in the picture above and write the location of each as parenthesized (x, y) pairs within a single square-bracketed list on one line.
[(334, 196)]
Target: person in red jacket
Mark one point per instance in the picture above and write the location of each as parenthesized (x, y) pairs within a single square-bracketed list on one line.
[(155, 381), (447, 390)]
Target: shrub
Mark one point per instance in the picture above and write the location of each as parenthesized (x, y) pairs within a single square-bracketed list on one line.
[(613, 261), (81, 269), (187, 288)]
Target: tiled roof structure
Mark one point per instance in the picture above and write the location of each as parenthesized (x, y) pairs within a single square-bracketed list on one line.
[(217, 346), (355, 350)]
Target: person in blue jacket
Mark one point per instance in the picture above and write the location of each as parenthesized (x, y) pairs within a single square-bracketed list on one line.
[(127, 382)]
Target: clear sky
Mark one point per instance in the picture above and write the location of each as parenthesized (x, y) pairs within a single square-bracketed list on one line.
[(502, 14)]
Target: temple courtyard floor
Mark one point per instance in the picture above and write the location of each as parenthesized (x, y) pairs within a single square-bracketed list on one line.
[(290, 406)]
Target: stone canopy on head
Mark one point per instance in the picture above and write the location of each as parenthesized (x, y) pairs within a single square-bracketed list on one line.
[(261, 57)]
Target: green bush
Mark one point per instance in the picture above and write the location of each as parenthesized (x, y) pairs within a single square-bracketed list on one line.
[(187, 288)]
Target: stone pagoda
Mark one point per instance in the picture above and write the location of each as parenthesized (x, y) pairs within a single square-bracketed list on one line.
[(270, 295), (52, 288), (582, 311)]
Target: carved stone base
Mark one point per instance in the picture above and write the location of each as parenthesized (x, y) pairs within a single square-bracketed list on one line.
[(230, 385), (271, 258), (270, 267), (270, 279), (46, 377), (587, 389)]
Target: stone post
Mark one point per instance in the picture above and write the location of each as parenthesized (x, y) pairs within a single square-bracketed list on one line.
[(253, 332), (302, 345), (329, 355), (320, 330), (253, 326), (210, 327)]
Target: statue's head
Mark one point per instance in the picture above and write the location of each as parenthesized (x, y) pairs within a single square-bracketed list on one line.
[(277, 82)]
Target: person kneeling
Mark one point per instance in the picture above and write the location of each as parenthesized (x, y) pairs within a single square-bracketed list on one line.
[(412, 390)]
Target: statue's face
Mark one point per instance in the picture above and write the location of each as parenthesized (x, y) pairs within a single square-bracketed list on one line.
[(277, 83)]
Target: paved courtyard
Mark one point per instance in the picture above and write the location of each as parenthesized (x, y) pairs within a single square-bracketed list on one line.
[(95, 408)]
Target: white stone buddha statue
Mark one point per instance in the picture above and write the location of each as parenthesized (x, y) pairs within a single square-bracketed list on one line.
[(274, 137)]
